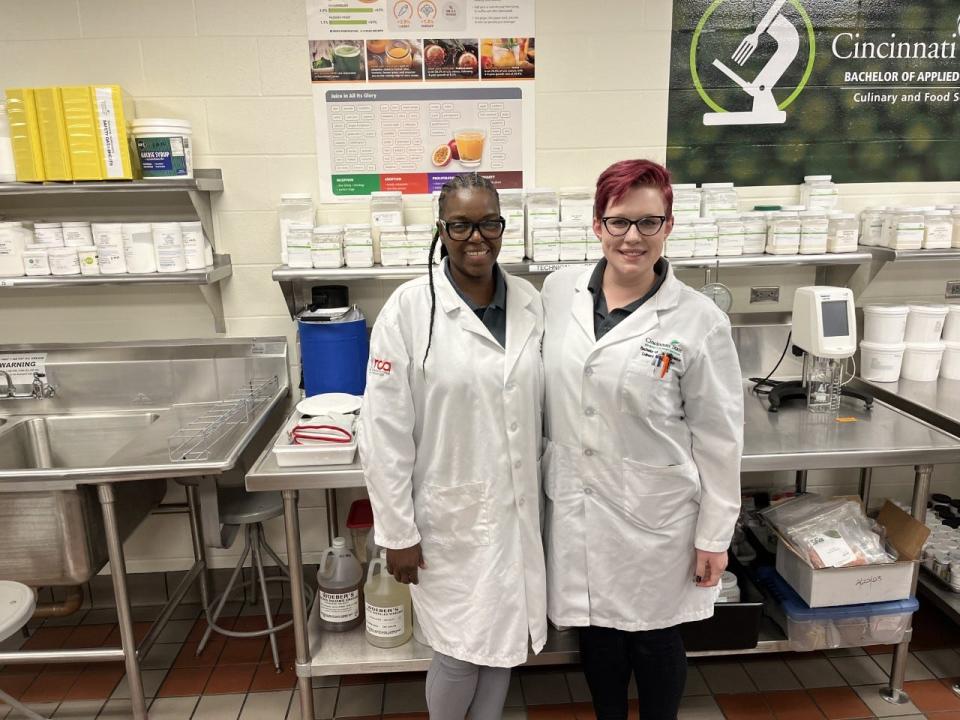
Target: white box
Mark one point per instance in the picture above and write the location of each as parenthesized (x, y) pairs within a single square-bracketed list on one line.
[(289, 455)]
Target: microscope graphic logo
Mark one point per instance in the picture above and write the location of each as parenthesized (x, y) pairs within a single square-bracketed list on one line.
[(785, 36)]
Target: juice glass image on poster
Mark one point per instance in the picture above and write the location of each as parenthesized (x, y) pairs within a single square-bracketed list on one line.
[(394, 59), (469, 145), (337, 61), (455, 59), (507, 58)]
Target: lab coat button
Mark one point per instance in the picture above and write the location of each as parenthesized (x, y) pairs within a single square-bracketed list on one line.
[(588, 372), (588, 452), (513, 427), (511, 387), (588, 491), (517, 464), (521, 502), (590, 412)]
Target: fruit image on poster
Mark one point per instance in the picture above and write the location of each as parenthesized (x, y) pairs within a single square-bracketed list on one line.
[(764, 93)]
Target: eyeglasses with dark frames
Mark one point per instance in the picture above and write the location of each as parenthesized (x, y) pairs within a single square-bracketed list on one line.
[(620, 226), (462, 230)]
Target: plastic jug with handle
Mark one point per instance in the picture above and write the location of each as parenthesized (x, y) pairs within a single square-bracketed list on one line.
[(338, 591), (388, 609)]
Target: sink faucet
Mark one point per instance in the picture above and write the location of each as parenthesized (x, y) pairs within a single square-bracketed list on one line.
[(39, 389)]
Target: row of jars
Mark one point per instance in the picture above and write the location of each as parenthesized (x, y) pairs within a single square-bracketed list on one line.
[(929, 227)]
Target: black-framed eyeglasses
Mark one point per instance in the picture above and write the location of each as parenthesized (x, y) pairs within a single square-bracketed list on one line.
[(462, 230), (620, 226)]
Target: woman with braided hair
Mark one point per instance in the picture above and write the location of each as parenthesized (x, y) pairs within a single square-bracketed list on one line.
[(450, 440)]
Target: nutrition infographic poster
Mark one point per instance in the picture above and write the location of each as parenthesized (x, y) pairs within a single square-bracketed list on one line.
[(409, 93), (763, 93)]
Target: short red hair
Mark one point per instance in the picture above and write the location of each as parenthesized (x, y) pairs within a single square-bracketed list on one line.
[(621, 177)]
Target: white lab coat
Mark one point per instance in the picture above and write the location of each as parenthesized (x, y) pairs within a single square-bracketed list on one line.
[(638, 470), (451, 461)]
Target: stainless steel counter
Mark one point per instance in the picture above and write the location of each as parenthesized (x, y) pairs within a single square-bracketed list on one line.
[(936, 402), (792, 439)]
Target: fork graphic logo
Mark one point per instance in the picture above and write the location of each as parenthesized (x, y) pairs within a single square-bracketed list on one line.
[(765, 109)]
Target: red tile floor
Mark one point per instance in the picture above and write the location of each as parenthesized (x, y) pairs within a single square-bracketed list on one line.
[(235, 679)]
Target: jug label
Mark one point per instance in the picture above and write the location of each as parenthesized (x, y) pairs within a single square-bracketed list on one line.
[(340, 607), (385, 622)]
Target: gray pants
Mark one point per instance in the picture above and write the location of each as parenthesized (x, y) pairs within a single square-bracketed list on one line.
[(456, 688)]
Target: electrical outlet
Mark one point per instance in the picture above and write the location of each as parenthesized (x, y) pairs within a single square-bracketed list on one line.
[(764, 294), (953, 289)]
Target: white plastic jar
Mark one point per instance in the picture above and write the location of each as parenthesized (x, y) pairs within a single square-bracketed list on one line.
[(13, 241), (393, 246), (164, 147), (907, 229), (386, 210), (48, 234), (938, 231), (299, 241), (89, 262), (686, 202), (63, 261), (881, 362), (719, 199), (729, 589), (326, 246), (950, 366), (542, 206), (730, 236), (871, 226), (884, 323), (576, 205), (77, 234), (680, 242), (573, 241), (921, 361), (294, 208), (783, 234), (754, 232), (138, 250), (35, 260), (951, 323), (925, 322), (108, 237), (194, 244), (955, 215), (842, 233), (546, 241), (419, 239), (706, 237), (819, 191), (357, 245), (168, 246), (511, 208), (813, 232)]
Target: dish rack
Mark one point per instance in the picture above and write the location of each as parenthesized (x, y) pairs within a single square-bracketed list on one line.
[(193, 441)]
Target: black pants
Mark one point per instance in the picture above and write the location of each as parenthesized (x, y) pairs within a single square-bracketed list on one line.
[(655, 657)]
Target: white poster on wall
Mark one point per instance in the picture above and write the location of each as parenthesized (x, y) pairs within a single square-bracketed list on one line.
[(409, 93)]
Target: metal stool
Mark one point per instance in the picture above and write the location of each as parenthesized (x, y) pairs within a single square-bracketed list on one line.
[(17, 602), (250, 511)]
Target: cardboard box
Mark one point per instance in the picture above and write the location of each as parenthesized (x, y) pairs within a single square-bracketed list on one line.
[(83, 140), (25, 134), (53, 134), (824, 587)]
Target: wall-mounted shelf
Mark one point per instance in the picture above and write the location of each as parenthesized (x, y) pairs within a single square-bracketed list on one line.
[(291, 279), (890, 255), (125, 201)]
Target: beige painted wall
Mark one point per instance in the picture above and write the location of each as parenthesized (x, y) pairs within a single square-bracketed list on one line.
[(235, 68)]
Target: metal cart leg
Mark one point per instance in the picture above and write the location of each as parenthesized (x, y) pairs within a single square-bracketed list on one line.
[(801, 483), (866, 482), (333, 519), (894, 692), (199, 549), (118, 573), (291, 521)]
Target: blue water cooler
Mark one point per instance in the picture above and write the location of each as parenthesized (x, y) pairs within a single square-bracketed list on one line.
[(334, 349)]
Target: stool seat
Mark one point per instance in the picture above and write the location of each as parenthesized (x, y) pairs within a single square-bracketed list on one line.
[(17, 603), (239, 507)]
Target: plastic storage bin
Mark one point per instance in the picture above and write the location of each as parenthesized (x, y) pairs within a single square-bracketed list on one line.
[(734, 625), (885, 324), (880, 362), (921, 361), (925, 322), (950, 365), (882, 623), (951, 324)]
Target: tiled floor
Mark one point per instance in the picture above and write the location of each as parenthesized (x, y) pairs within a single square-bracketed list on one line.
[(234, 679)]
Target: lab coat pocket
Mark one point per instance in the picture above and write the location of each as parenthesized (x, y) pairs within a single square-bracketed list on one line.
[(656, 496), (559, 471), (643, 391), (456, 515)]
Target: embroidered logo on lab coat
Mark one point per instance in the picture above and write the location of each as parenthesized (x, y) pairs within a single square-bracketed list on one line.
[(379, 366), (659, 351)]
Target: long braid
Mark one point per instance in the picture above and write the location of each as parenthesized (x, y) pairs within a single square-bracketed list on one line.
[(458, 182)]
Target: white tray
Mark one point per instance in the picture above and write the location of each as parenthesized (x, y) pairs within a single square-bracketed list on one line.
[(289, 455)]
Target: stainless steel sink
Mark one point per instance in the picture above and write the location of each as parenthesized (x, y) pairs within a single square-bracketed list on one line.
[(57, 537), (68, 441)]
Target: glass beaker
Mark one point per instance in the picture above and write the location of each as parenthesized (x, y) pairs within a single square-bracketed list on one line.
[(821, 377)]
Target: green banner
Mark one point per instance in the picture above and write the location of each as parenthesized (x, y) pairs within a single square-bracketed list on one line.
[(764, 92)]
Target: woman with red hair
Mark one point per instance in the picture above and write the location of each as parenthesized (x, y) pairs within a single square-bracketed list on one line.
[(644, 416)]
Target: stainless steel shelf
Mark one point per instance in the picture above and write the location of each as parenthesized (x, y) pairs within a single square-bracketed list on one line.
[(220, 270), (946, 600), (890, 255), (350, 653), (209, 180)]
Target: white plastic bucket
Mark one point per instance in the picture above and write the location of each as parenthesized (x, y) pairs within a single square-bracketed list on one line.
[(164, 147), (925, 323), (951, 324), (921, 361), (950, 367), (884, 324), (880, 362)]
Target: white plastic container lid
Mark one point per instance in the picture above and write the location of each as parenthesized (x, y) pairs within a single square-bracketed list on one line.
[(931, 309), (716, 186), (145, 124), (327, 229), (296, 197), (728, 580), (47, 225), (817, 178), (883, 347), (684, 186), (925, 348), (885, 309), (75, 224), (419, 228)]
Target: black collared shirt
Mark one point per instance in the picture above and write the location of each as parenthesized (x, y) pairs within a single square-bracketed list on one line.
[(605, 320), (494, 315)]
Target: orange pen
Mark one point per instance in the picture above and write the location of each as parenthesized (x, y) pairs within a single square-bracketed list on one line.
[(666, 364)]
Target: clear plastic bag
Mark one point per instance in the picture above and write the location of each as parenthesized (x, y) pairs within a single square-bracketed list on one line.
[(830, 532)]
